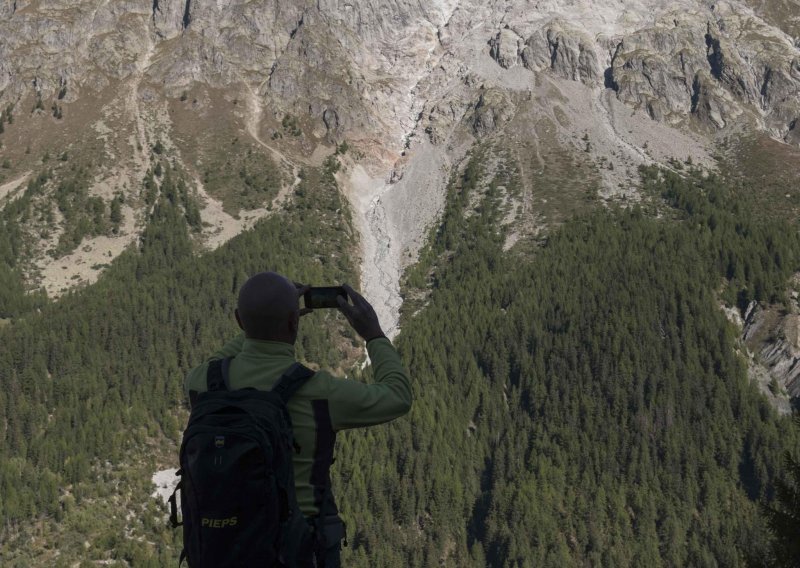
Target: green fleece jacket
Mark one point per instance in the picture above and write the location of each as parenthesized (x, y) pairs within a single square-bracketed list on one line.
[(322, 407)]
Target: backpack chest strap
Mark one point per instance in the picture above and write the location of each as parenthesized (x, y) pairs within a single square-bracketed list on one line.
[(217, 376), (291, 381)]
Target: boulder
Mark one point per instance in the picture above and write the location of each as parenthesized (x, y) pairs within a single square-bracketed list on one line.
[(565, 51), (504, 48)]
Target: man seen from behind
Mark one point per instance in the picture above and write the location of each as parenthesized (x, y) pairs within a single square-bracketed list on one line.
[(268, 311)]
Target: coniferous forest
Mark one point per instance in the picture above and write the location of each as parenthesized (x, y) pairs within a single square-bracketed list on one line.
[(581, 398)]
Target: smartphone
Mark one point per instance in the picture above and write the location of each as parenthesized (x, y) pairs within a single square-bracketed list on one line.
[(324, 297)]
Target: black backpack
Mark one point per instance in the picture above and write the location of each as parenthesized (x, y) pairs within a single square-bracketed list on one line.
[(237, 481)]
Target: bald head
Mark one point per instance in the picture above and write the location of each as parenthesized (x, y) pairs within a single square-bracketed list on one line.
[(269, 308)]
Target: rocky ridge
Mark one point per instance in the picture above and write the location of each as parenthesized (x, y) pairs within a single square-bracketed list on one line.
[(410, 86)]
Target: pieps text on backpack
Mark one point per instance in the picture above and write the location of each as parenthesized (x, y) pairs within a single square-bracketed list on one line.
[(218, 523)]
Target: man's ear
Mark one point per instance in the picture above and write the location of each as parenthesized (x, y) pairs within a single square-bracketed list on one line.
[(238, 319), (294, 323)]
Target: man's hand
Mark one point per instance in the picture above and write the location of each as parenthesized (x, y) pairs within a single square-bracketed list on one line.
[(360, 314), (301, 290)]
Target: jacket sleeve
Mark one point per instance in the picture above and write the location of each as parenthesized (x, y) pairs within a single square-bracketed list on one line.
[(196, 378), (353, 404)]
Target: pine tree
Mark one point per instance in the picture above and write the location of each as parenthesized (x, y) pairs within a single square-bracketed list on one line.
[(784, 518)]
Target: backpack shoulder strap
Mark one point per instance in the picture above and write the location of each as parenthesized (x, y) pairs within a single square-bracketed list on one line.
[(217, 377), (289, 383)]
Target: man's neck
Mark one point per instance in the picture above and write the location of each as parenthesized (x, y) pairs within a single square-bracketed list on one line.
[(282, 339)]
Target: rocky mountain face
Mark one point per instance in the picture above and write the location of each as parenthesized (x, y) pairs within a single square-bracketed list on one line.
[(717, 63), (772, 336), (410, 87)]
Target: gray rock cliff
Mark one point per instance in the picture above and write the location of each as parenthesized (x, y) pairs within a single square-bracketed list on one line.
[(409, 85)]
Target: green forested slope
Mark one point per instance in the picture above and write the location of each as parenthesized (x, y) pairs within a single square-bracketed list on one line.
[(585, 405), (577, 403), (97, 377)]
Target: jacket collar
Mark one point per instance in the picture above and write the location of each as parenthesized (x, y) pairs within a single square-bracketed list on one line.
[(270, 348)]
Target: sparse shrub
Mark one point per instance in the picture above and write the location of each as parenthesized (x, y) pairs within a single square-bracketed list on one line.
[(64, 157), (158, 147), (184, 96), (331, 165), (150, 189), (158, 171), (62, 92), (96, 210), (290, 125), (192, 213), (39, 104), (6, 164)]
